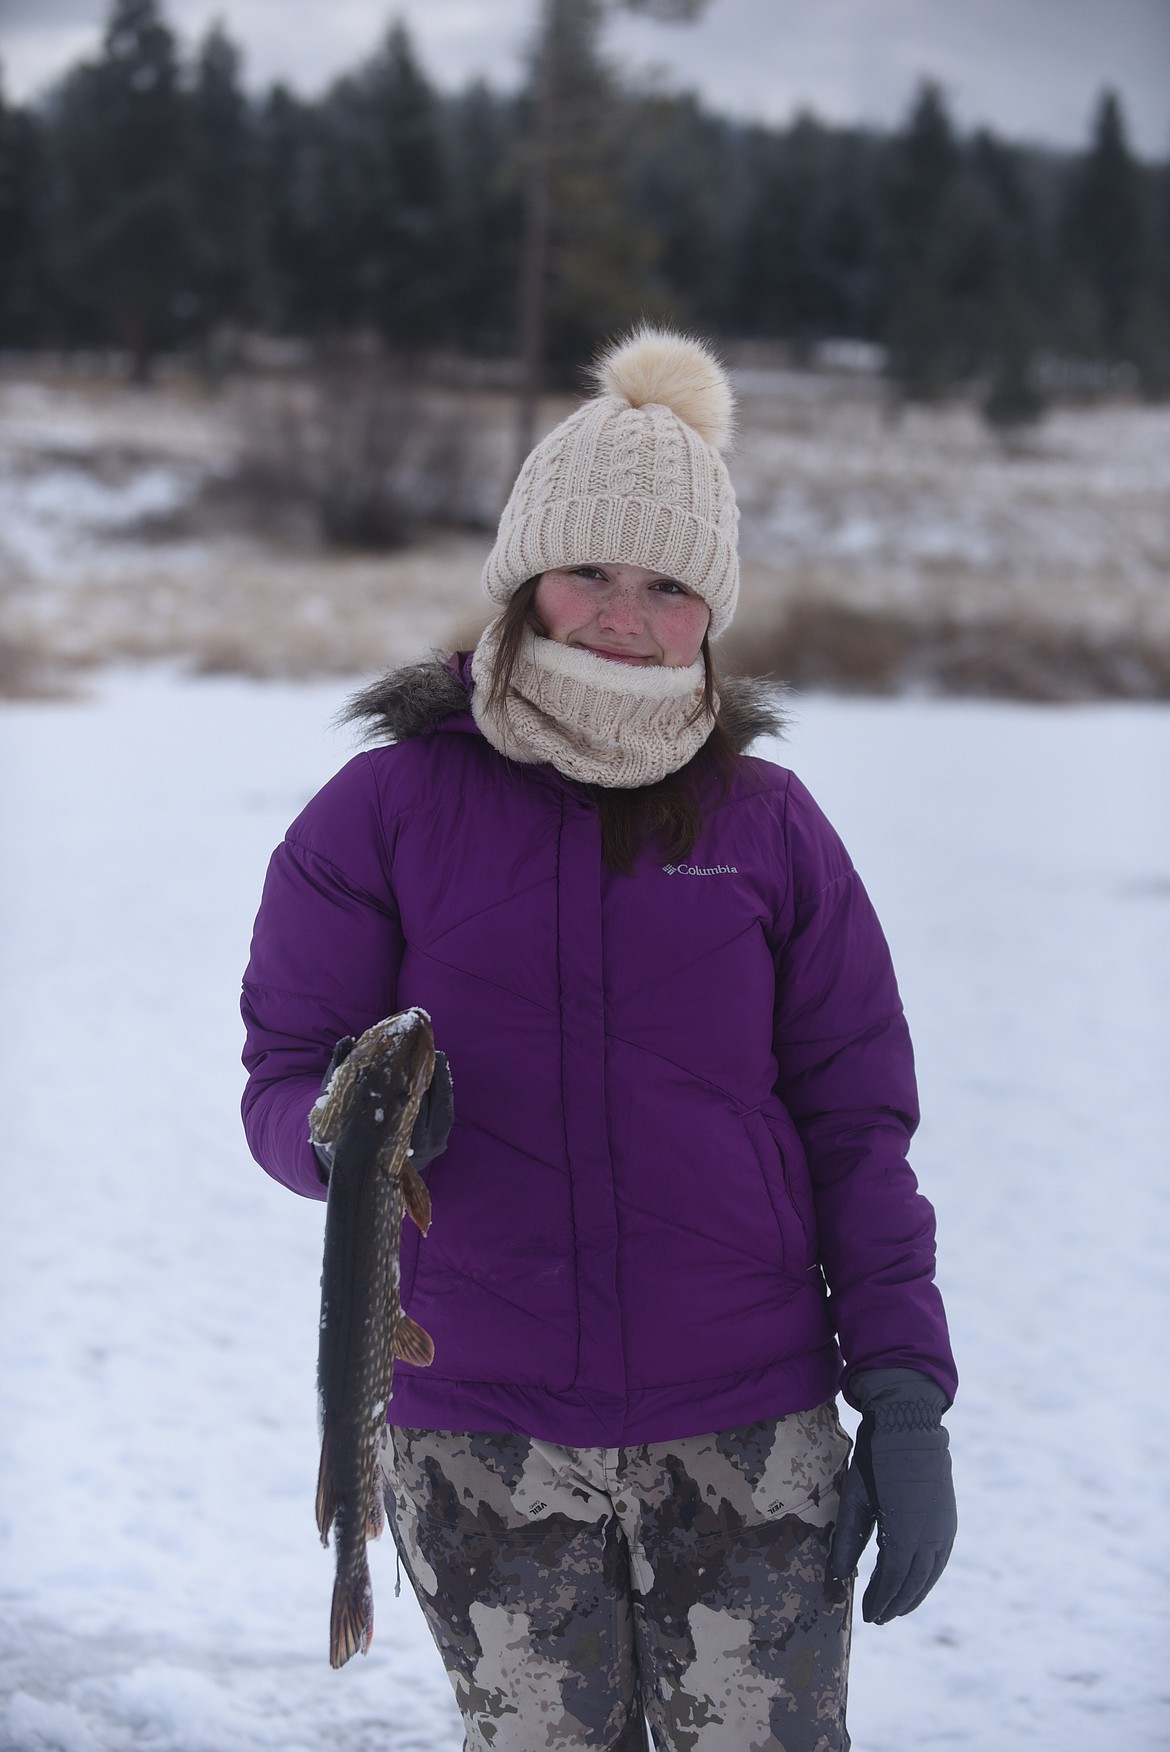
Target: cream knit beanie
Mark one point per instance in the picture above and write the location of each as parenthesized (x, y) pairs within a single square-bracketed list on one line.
[(633, 476)]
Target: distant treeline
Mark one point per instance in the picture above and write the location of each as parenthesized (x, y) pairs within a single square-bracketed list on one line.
[(150, 203)]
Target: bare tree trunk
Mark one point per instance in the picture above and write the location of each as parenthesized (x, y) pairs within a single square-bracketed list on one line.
[(534, 246)]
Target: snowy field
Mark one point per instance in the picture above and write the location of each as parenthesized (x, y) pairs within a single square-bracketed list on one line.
[(162, 1587), (129, 530)]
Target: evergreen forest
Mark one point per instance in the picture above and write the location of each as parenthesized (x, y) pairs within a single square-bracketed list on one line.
[(150, 203)]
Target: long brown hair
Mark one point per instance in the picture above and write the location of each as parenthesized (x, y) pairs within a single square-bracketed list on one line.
[(670, 813)]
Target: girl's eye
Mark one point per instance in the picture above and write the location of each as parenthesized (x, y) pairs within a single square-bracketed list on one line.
[(588, 572), (671, 587)]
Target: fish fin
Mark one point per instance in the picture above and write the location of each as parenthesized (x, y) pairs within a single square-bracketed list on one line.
[(351, 1622), (412, 1344), (415, 1196), (327, 1499), (376, 1519)]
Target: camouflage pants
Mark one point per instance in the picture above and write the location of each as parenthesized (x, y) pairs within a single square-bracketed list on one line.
[(573, 1592)]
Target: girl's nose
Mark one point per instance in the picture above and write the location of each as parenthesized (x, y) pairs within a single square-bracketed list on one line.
[(619, 613)]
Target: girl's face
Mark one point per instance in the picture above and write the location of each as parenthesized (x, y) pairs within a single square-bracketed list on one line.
[(625, 613)]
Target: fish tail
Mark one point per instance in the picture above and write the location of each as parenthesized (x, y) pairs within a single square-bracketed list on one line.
[(416, 1197), (327, 1495), (351, 1622)]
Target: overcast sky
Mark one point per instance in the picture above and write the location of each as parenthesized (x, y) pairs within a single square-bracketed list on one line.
[(1030, 68)]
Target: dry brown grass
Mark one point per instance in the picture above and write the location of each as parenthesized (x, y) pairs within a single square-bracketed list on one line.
[(285, 614), (876, 650)]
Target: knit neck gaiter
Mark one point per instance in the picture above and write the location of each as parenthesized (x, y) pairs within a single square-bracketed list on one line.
[(602, 723)]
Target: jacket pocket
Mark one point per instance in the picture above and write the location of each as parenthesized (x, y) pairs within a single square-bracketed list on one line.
[(797, 1183), (790, 1223)]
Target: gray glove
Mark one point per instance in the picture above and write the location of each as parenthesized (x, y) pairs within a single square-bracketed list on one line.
[(900, 1479), (436, 1113)]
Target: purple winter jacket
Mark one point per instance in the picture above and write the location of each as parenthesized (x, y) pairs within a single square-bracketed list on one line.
[(677, 1175)]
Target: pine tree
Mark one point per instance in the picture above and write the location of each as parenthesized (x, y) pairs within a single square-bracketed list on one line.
[(122, 218), (22, 227), (296, 292), (601, 255), (682, 167), (848, 235), (1105, 229), (586, 262), (386, 198), (924, 166), (1150, 326), (222, 186), (1001, 318), (805, 237), (480, 137)]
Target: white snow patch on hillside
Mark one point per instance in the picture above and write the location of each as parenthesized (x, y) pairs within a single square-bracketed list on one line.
[(162, 1585)]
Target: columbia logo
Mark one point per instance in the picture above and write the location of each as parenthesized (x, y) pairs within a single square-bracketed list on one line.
[(701, 870)]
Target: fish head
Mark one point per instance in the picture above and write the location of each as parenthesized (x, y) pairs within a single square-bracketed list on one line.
[(391, 1064)]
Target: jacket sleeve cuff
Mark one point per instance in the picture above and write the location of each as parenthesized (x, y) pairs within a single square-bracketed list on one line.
[(867, 1389)]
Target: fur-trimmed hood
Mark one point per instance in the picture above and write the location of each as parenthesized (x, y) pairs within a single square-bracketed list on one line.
[(408, 701)]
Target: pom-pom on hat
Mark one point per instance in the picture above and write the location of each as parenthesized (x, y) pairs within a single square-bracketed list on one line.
[(633, 476)]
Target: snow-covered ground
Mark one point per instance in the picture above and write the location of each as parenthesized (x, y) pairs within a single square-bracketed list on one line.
[(162, 1587)]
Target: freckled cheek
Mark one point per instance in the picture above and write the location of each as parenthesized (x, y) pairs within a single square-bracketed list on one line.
[(580, 608), (563, 608), (685, 629)]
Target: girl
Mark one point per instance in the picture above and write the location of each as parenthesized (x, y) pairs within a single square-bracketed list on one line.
[(674, 1215)]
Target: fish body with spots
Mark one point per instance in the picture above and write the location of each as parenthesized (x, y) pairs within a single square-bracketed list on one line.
[(366, 1115)]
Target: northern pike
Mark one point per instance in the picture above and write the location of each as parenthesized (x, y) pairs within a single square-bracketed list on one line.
[(367, 1114)]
